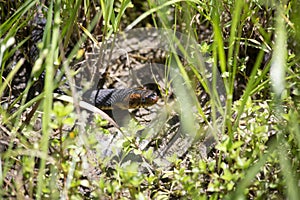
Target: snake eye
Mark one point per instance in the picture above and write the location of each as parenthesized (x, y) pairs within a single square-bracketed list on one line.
[(152, 96)]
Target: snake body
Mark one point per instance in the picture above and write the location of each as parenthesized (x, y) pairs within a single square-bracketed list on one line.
[(126, 98)]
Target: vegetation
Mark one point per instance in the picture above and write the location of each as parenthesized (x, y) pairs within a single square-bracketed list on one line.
[(255, 46)]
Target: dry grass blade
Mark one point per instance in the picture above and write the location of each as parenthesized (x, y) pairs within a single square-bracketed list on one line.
[(87, 106)]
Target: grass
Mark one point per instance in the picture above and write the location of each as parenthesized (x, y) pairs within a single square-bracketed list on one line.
[(253, 45)]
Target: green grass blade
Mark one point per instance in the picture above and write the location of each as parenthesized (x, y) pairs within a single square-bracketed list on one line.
[(48, 98), (16, 16)]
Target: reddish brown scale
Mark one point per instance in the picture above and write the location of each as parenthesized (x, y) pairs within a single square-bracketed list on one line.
[(142, 98)]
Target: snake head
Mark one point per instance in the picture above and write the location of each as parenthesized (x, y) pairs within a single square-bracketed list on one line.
[(142, 98)]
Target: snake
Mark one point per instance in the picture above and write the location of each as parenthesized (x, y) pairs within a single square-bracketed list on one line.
[(125, 98)]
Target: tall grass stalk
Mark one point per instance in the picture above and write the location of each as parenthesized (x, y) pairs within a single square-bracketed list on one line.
[(277, 77), (51, 46)]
